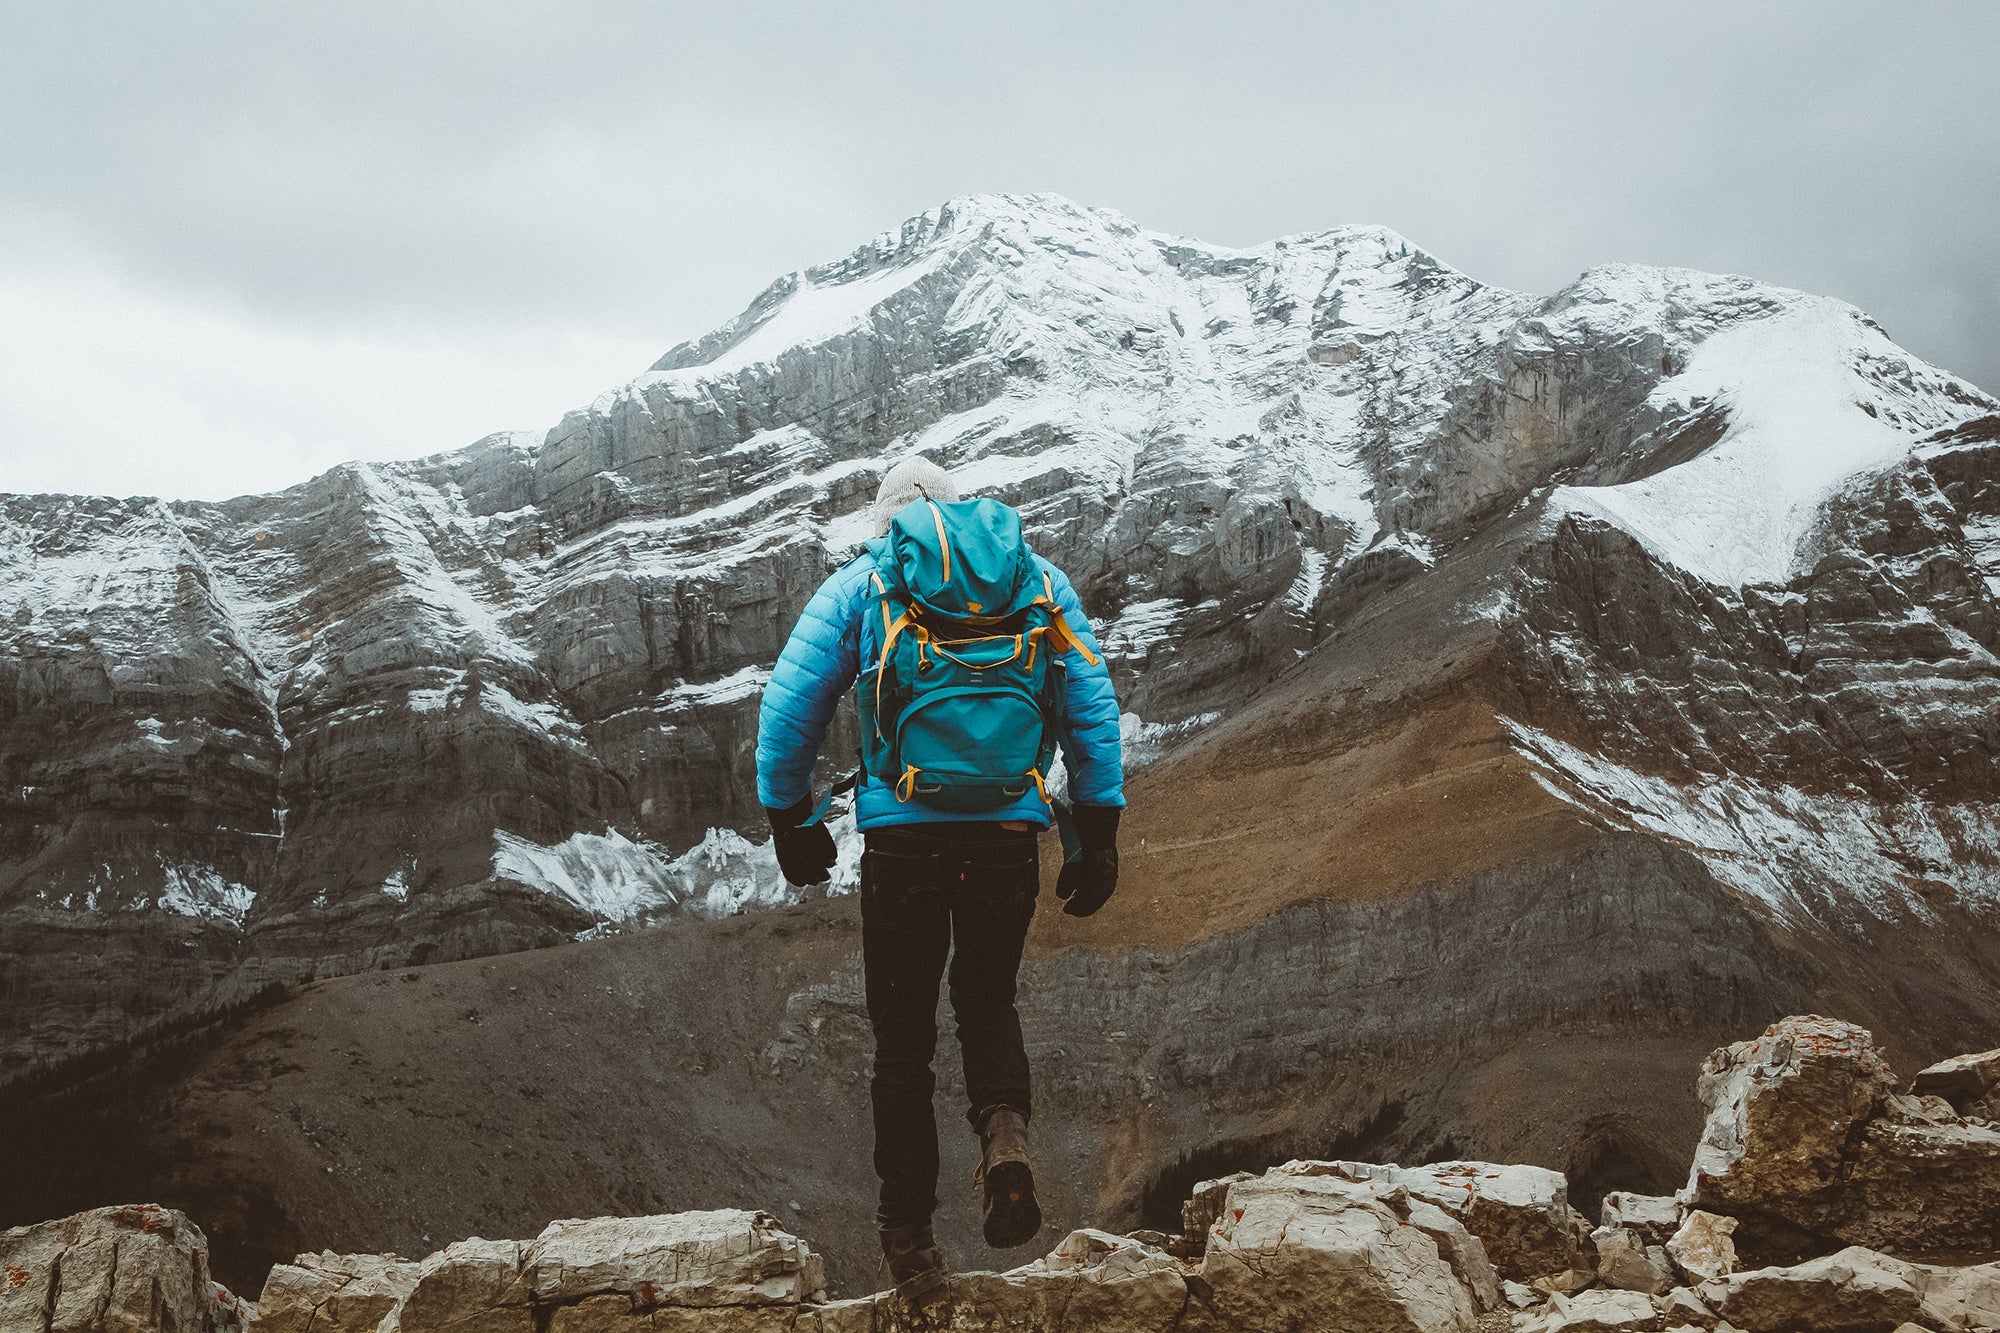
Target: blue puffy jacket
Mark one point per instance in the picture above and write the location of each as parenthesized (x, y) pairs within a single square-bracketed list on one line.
[(836, 634)]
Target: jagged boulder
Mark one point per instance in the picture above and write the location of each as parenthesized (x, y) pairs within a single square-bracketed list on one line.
[(1463, 1250), (1780, 1111), (1598, 1311), (616, 1272), (1520, 1213), (727, 1257), (333, 1293), (468, 1284), (1295, 1250), (1654, 1217), (1967, 1082), (1685, 1309), (137, 1268), (1703, 1247), (1092, 1280), (1625, 1262), (1457, 1245), (1857, 1290), (1203, 1209), (1808, 1135)]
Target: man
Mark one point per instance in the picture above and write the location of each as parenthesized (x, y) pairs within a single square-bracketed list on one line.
[(975, 663)]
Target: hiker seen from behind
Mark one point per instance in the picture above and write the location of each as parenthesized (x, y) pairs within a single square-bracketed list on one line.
[(973, 666)]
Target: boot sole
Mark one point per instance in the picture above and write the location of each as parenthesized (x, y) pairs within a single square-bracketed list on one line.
[(1013, 1214)]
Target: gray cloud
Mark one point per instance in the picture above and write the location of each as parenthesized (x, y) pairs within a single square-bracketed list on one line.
[(631, 173)]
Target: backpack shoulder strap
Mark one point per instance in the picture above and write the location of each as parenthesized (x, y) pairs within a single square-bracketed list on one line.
[(1059, 626), (894, 622)]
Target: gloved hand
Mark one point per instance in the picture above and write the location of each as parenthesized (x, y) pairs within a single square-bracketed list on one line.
[(1087, 882), (804, 854)]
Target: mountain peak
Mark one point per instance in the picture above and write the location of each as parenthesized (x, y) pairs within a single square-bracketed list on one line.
[(1056, 256)]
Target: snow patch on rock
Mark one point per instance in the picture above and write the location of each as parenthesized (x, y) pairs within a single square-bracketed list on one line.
[(1797, 854), (606, 874), (815, 311), (1814, 394), (1142, 742), (1142, 625), (626, 883), (201, 891)]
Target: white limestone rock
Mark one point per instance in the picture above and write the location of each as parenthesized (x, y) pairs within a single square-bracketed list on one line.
[(1596, 1311), (1092, 1280), (1521, 1213), (1965, 1081), (1858, 1290), (1806, 1126), (723, 1257), (1626, 1263), (1204, 1206), (1464, 1251), (134, 1268), (470, 1286), (1653, 1216), (1304, 1251), (1703, 1248), (333, 1293)]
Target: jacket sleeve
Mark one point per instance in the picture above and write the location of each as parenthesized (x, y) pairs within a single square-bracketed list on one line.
[(818, 664), (1091, 750)]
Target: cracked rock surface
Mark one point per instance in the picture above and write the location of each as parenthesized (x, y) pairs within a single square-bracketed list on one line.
[(131, 1269), (334, 1293), (1808, 1135)]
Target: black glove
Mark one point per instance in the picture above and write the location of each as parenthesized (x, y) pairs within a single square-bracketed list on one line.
[(804, 854), (1087, 882)]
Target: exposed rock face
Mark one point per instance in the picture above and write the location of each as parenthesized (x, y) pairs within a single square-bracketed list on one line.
[(1203, 1208), (1521, 1213), (333, 1293), (1807, 1132), (1652, 1217), (1858, 1291), (1091, 1280), (1599, 1311), (131, 1269), (497, 698), (1702, 1248), (615, 1273), (1627, 1263), (1463, 1249), (692, 1259), (1965, 1081), (1317, 1250)]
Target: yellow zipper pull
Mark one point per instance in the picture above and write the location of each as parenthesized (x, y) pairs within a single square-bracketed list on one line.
[(944, 542)]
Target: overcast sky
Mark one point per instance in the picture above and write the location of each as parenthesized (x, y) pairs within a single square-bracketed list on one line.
[(240, 243)]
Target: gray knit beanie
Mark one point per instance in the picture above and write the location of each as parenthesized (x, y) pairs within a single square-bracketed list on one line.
[(915, 478)]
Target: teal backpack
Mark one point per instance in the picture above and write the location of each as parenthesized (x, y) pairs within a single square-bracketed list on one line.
[(963, 707)]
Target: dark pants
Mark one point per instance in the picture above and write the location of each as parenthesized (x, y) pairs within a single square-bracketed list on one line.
[(967, 889)]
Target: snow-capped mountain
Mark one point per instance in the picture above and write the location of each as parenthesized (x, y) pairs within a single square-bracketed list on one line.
[(1730, 556)]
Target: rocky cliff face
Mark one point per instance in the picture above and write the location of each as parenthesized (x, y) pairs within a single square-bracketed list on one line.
[(1688, 558)]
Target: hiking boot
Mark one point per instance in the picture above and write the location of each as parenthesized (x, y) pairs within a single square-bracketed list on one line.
[(1007, 1185), (913, 1259)]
